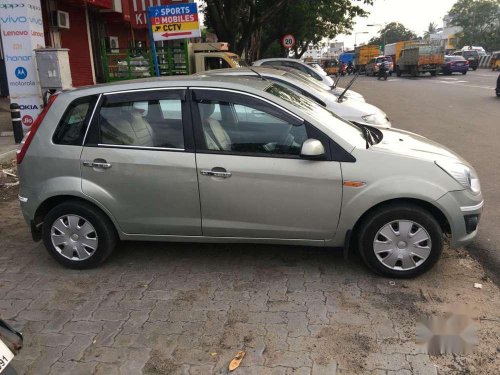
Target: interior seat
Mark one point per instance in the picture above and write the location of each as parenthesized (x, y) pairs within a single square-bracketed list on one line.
[(215, 135)]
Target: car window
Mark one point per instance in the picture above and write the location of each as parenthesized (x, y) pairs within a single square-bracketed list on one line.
[(72, 127), (250, 131), (272, 63), (152, 123)]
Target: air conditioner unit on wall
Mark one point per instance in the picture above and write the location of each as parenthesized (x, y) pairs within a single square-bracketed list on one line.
[(62, 20), (112, 44)]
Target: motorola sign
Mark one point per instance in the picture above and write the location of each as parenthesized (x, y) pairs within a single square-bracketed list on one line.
[(21, 30), (21, 73)]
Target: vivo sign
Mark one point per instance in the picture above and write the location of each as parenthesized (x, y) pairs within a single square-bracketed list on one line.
[(9, 19), (22, 31)]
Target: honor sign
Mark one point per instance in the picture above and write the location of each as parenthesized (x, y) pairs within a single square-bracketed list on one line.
[(22, 32)]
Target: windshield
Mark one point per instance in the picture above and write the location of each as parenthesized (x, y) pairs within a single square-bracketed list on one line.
[(350, 132), (467, 54)]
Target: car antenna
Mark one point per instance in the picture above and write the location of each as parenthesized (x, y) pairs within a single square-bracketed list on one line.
[(347, 88), (336, 82), (256, 72)]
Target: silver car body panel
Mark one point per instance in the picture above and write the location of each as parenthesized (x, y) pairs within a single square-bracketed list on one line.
[(286, 201)]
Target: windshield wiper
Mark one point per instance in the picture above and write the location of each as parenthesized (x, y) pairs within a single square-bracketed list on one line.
[(347, 88), (335, 83)]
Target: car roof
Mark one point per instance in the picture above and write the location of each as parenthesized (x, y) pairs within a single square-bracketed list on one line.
[(280, 59), (198, 80), (245, 71)]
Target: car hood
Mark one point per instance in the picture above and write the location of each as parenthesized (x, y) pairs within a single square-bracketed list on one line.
[(402, 142), (349, 94), (354, 110)]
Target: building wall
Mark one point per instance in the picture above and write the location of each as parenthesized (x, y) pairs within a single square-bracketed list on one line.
[(76, 39)]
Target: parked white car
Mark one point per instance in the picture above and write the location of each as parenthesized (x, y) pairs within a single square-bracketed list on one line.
[(336, 90), (320, 76), (348, 109)]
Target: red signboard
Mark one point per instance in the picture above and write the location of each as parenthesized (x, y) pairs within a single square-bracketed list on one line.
[(138, 10)]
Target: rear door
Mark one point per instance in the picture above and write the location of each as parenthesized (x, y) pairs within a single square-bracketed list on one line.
[(253, 183), (138, 161)]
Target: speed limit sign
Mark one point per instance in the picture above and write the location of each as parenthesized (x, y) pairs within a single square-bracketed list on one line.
[(288, 41)]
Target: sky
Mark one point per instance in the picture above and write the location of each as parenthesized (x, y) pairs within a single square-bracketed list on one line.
[(413, 14)]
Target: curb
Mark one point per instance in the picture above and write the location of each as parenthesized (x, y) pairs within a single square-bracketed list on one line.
[(7, 156)]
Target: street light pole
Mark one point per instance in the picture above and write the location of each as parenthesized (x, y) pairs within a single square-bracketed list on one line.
[(355, 37), (382, 35)]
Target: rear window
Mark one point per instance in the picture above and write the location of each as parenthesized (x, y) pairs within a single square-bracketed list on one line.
[(468, 54), (73, 124), (454, 58)]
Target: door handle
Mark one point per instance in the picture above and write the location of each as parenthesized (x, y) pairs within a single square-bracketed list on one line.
[(97, 164), (216, 172)]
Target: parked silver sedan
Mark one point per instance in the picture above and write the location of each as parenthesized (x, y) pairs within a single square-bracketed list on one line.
[(212, 159)]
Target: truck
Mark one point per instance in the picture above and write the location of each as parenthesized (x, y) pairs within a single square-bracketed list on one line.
[(178, 57), (363, 54), (394, 49), (420, 58), (347, 57)]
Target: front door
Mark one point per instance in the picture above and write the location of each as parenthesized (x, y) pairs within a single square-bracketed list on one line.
[(252, 180), (139, 163)]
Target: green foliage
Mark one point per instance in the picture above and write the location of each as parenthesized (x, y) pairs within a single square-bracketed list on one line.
[(480, 22), (393, 32), (257, 26)]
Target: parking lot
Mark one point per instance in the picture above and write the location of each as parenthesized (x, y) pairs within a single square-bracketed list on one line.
[(189, 308)]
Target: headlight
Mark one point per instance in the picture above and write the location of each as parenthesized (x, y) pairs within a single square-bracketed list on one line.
[(463, 174), (379, 119)]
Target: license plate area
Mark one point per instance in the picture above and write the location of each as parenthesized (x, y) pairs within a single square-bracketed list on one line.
[(5, 356)]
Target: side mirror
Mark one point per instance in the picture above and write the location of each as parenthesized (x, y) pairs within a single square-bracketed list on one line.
[(312, 149)]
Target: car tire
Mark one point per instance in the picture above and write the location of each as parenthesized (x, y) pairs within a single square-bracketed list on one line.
[(414, 220), (474, 69), (81, 226), (464, 73)]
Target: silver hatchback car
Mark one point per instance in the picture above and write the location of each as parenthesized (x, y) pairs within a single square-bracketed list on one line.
[(232, 159)]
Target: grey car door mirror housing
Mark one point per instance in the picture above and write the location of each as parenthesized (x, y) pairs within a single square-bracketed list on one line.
[(312, 149)]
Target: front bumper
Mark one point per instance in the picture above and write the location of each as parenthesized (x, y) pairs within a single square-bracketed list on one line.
[(463, 211)]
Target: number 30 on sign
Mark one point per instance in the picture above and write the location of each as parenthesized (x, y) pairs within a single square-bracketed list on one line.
[(288, 41)]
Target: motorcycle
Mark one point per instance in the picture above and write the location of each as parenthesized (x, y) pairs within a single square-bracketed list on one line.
[(382, 73), (343, 70), (11, 343)]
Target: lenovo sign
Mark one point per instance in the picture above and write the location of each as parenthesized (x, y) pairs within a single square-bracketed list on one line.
[(138, 10)]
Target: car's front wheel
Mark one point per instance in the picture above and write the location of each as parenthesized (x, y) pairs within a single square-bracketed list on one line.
[(400, 240), (78, 235)]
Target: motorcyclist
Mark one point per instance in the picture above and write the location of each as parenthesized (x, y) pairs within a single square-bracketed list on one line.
[(383, 69), (350, 68)]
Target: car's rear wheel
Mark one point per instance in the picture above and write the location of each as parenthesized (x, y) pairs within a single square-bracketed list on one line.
[(78, 235), (400, 240), (464, 73)]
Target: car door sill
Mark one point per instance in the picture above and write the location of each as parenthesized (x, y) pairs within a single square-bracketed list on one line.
[(173, 238)]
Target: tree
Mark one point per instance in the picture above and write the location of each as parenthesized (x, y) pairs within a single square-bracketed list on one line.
[(480, 22), (256, 26), (431, 29), (393, 32)]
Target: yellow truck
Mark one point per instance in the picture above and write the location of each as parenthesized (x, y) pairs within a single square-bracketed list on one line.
[(210, 56), (394, 49), (363, 55), (420, 58)]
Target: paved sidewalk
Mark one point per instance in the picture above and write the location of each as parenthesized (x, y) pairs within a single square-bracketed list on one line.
[(188, 308)]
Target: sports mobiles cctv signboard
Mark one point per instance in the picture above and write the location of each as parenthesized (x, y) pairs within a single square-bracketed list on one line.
[(22, 31), (177, 21)]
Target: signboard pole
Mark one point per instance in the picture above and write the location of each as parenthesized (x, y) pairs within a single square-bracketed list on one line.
[(153, 46)]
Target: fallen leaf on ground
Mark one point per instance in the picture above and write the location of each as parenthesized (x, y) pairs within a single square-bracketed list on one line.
[(235, 363)]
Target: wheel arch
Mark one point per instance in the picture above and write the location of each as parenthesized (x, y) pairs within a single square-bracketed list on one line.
[(53, 201), (433, 210)]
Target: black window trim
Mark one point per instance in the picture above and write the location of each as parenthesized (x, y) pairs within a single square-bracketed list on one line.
[(93, 101), (93, 138)]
